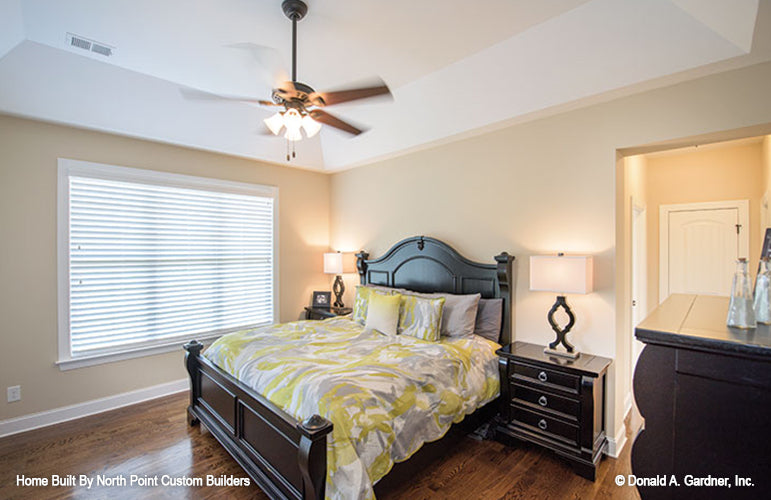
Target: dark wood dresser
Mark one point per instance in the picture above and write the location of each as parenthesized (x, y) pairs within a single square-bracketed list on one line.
[(704, 391), (557, 403)]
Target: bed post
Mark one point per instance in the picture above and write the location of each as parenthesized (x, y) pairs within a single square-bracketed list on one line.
[(361, 265), (193, 349), (312, 456), (505, 281)]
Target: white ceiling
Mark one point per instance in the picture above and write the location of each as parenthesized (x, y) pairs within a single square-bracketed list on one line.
[(455, 67)]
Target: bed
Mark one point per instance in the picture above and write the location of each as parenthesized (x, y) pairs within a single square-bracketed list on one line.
[(288, 456)]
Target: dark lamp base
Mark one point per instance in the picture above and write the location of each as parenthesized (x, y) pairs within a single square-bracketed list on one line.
[(569, 351), (338, 287), (562, 354)]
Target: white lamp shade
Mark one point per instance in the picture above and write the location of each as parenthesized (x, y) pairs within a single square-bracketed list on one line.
[(333, 263), (561, 273), (292, 121), (275, 123), (293, 134), (310, 126)]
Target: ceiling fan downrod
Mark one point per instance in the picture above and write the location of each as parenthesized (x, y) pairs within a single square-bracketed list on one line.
[(295, 10)]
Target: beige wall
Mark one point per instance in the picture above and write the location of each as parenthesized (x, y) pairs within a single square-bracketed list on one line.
[(28, 163), (544, 186), (713, 173)]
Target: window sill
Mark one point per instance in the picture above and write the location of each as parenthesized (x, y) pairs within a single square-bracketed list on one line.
[(140, 352)]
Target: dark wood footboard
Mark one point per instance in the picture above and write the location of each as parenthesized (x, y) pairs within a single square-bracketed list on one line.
[(286, 458)]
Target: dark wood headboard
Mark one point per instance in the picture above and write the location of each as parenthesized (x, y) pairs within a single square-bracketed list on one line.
[(425, 264)]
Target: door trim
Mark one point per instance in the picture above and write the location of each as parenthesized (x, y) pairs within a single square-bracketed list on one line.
[(742, 206), (639, 246)]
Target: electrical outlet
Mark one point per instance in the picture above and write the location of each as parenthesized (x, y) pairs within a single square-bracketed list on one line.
[(14, 393)]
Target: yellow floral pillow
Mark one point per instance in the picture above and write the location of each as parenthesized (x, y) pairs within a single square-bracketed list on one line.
[(421, 317), (361, 301), (383, 312)]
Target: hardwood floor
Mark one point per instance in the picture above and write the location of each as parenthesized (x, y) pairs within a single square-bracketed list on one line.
[(152, 439)]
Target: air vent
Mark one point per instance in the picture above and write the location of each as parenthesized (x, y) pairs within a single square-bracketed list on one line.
[(101, 49), (80, 43), (89, 45)]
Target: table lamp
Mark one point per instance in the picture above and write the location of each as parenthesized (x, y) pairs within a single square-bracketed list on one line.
[(561, 274), (333, 264)]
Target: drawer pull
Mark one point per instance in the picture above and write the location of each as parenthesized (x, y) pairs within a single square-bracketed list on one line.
[(542, 424), (542, 377), (542, 401)]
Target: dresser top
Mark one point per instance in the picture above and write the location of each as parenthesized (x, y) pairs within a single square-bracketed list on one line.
[(586, 364), (699, 322)]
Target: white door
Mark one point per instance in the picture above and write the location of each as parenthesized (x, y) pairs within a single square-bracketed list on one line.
[(699, 246), (639, 276)]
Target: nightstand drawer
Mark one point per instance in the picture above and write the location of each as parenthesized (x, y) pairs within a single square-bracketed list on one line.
[(558, 380), (548, 426), (567, 406)]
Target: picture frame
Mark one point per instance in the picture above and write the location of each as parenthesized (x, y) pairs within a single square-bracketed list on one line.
[(322, 299)]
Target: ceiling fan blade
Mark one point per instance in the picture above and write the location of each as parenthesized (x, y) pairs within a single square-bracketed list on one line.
[(201, 95), (347, 95), (327, 119), (268, 59)]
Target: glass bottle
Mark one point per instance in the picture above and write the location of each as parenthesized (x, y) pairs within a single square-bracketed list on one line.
[(762, 305), (740, 312)]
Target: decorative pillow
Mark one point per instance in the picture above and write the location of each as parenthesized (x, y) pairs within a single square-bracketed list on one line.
[(489, 318), (387, 289), (383, 312), (361, 300), (421, 317), (460, 313)]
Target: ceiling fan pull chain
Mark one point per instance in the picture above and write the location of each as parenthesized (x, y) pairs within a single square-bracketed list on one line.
[(287, 150), (293, 154)]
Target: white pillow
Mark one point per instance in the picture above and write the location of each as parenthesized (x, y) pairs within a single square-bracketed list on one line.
[(383, 312)]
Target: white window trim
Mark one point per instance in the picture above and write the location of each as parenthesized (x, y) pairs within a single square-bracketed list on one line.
[(67, 168)]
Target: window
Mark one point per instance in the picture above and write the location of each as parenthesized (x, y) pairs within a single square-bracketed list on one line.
[(150, 259)]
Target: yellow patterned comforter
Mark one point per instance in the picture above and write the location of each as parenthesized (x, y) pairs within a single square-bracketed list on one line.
[(386, 396)]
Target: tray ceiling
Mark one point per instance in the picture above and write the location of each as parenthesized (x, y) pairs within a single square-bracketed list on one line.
[(455, 67)]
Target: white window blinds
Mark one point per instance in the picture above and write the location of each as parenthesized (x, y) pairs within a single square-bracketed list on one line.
[(151, 264)]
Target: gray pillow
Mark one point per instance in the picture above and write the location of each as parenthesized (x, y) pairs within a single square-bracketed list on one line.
[(386, 288), (489, 318), (460, 312)]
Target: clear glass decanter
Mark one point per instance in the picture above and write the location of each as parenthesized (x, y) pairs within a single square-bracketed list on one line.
[(762, 305), (740, 311)]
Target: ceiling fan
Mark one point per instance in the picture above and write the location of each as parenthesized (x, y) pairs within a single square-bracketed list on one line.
[(302, 105)]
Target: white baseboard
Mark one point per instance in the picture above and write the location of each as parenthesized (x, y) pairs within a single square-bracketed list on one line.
[(617, 442), (65, 413)]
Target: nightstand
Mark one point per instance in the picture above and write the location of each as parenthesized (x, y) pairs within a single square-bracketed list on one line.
[(325, 312), (557, 403)]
